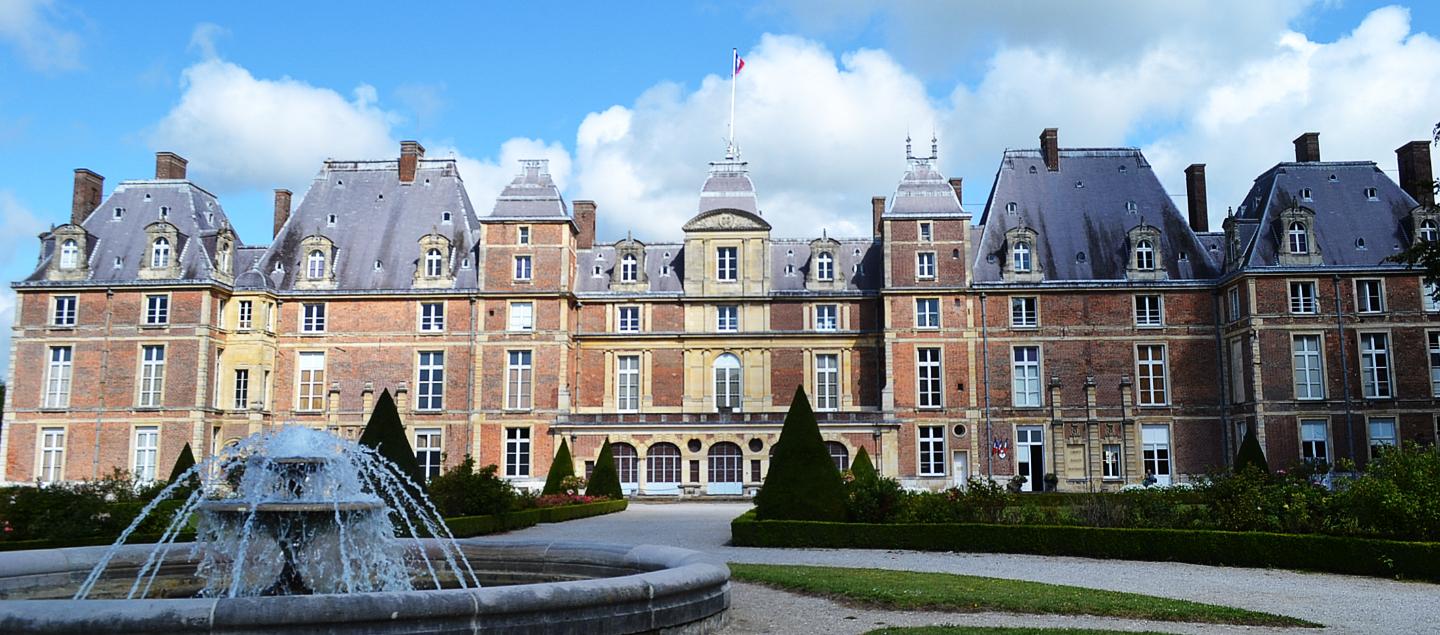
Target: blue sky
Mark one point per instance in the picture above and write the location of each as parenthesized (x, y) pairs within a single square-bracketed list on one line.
[(629, 103)]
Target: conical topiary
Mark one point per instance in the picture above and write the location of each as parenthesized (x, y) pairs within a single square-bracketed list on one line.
[(386, 434), (605, 480), (184, 462), (803, 483), (561, 468), (1250, 454), (861, 468)]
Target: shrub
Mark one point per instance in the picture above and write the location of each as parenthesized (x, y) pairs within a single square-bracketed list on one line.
[(562, 466), (873, 499), (1396, 496), (1250, 454), (184, 462), (386, 434), (605, 481), (803, 483), (464, 491), (862, 467)]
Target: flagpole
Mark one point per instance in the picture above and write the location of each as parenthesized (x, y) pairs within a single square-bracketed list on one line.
[(734, 55)]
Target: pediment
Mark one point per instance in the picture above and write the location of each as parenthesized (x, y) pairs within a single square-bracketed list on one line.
[(726, 220)]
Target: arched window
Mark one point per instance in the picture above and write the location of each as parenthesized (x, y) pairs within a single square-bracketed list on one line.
[(1428, 231), (434, 264), (662, 464), (727, 383), (825, 266), (160, 253), (1144, 256), (315, 265), (627, 463), (1297, 238), (69, 254), (629, 268), (725, 463), (1020, 256), (839, 454)]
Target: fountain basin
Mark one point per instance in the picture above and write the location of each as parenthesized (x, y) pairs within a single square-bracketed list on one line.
[(550, 587)]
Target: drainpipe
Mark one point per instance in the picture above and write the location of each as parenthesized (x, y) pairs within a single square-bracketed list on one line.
[(104, 372), (985, 366), (1344, 367), (1225, 427), (470, 380)]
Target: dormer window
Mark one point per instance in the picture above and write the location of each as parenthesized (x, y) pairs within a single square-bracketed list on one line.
[(1145, 256), (119, 262), (1020, 257), (1123, 169), (789, 270), (1372, 194), (279, 267), (1334, 178), (825, 266), (1131, 207), (434, 263), (164, 212), (119, 213), (315, 265), (1428, 231), (598, 272), (69, 254), (629, 268), (160, 253), (1297, 238), (1010, 208), (379, 266), (445, 217), (330, 220), (1032, 169), (1305, 194)]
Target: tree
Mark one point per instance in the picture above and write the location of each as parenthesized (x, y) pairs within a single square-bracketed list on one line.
[(861, 468), (1250, 454), (803, 483), (386, 434), (185, 461), (561, 468), (605, 480), (1423, 254)]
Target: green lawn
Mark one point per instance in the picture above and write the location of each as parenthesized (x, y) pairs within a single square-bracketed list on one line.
[(990, 630), (909, 590)]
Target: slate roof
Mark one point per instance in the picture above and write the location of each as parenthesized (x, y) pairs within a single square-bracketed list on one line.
[(1344, 215), (783, 252), (728, 187), (656, 256), (377, 218), (924, 191), (532, 194), (196, 213), (1081, 209)]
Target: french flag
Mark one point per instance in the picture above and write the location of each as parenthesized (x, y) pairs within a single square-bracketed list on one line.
[(739, 62)]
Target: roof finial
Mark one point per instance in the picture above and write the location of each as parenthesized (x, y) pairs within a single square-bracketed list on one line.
[(908, 153), (934, 145)]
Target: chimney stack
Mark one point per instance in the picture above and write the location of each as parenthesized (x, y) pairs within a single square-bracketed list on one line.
[(957, 184), (1195, 197), (282, 210), (169, 165), (410, 154), (86, 197), (1307, 147), (585, 220), (877, 209), (1050, 148), (1416, 175)]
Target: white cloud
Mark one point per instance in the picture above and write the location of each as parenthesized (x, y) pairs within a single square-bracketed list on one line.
[(32, 29), (21, 226), (484, 178)]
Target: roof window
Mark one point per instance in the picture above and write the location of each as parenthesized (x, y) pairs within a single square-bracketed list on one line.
[(119, 213), (210, 217), (164, 212), (339, 182), (789, 270), (1305, 194), (465, 263), (1123, 169), (444, 217), (1079, 256), (1184, 257), (1131, 207), (857, 252), (147, 196), (119, 262), (1032, 169), (1079, 184), (598, 271), (330, 220), (1010, 207), (379, 265), (279, 266), (789, 253), (1333, 178), (1372, 194), (427, 181), (379, 197), (1359, 243)]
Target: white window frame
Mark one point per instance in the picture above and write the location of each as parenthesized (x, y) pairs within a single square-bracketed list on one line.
[(1021, 256), (434, 263), (1023, 316), (1432, 341), (927, 313), (69, 254), (64, 310), (627, 383), (1112, 462), (728, 380), (1308, 365), (432, 317), (145, 455), (51, 457), (1147, 316), (518, 455), (1145, 368), (522, 235), (926, 231), (1025, 391), (727, 264), (310, 381), (160, 253), (1145, 255), (827, 381), (827, 317), (825, 266), (1233, 295), (1151, 459), (521, 318), (925, 265), (157, 309), (240, 391), (430, 451), (1307, 300), (315, 265), (929, 378), (430, 381), (1297, 238), (727, 318), (627, 319), (152, 376), (245, 314), (1427, 297), (1377, 435), (59, 374), (1377, 380), (1367, 306), (312, 317), (930, 450), (1313, 446), (629, 268), (1236, 354), (520, 379)]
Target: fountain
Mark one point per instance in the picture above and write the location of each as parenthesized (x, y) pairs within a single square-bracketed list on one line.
[(299, 530)]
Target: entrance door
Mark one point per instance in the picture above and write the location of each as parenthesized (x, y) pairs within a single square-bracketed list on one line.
[(1156, 441), (960, 468), (1030, 457), (725, 469)]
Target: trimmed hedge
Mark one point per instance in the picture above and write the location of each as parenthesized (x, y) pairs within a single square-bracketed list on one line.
[(1333, 554), (467, 526)]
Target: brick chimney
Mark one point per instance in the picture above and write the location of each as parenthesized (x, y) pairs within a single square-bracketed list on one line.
[(86, 197), (410, 154), (1050, 148), (877, 209), (1195, 197), (169, 165), (282, 210), (585, 220), (1307, 147), (1416, 175), (957, 184)]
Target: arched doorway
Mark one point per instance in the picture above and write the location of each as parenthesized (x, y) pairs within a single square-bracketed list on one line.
[(726, 469), (627, 463), (662, 469)]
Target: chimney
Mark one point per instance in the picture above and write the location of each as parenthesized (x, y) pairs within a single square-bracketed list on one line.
[(410, 154), (877, 209), (1307, 147), (585, 219), (1416, 176), (957, 184), (1195, 197), (169, 165), (88, 186), (1050, 148), (282, 210)]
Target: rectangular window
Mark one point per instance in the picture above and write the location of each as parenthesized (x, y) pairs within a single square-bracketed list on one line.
[(152, 375), (1308, 382), (517, 452), (932, 450), (1314, 441), (519, 376), (1150, 373), (727, 264), (1149, 310), (430, 393), (522, 316), (522, 268), (827, 382), (827, 317), (1025, 372), (727, 318), (1111, 462), (927, 231), (64, 314), (147, 449), (1303, 300), (1237, 371), (1375, 365), (927, 373), (1369, 296), (1427, 297), (57, 377), (52, 454), (242, 388), (1434, 345), (927, 313), (1024, 312), (727, 384), (522, 235), (925, 265), (1155, 442), (246, 311), (157, 309), (432, 317), (428, 452), (1233, 295), (627, 384), (629, 319), (312, 317), (312, 382), (1382, 434)]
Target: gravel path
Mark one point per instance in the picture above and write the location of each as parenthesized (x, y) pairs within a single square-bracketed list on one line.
[(1345, 604)]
